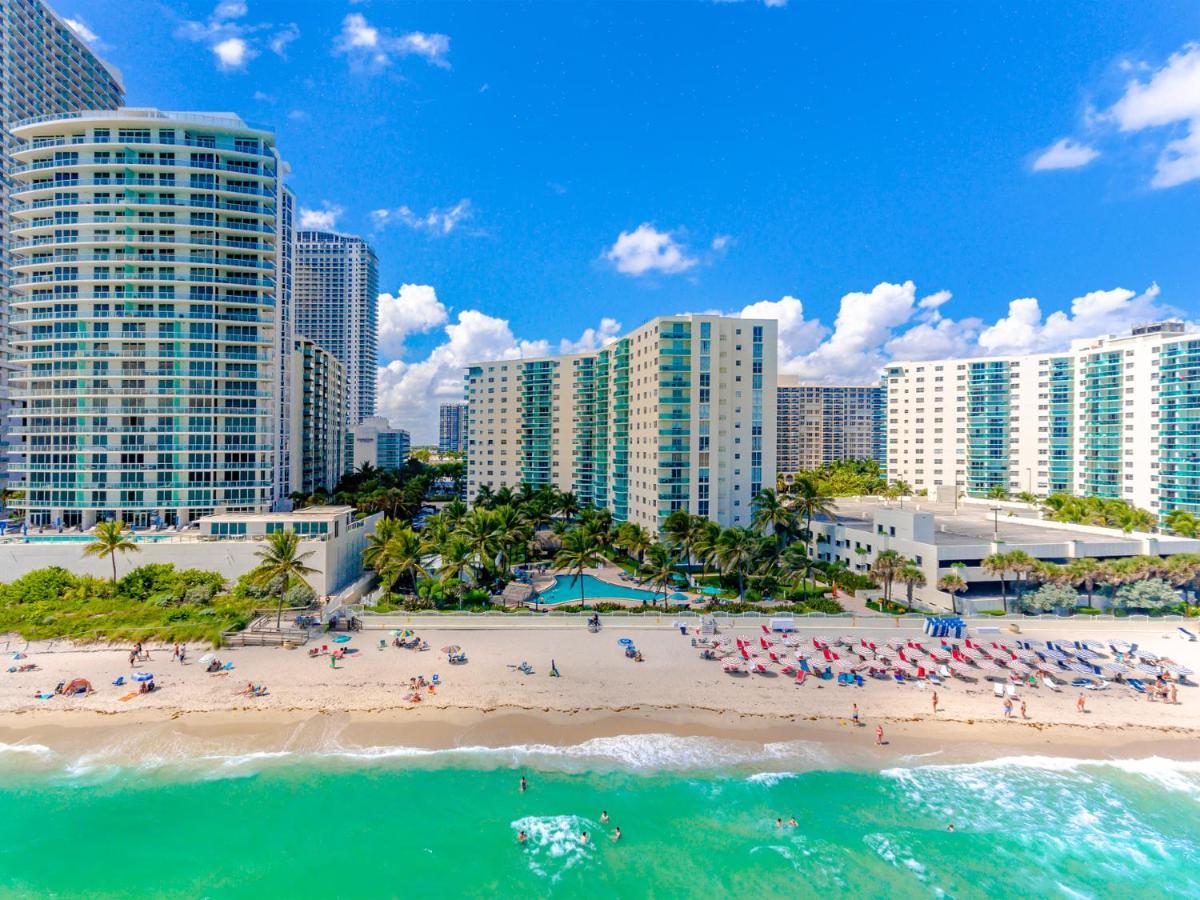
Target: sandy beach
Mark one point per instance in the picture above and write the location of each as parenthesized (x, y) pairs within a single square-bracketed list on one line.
[(363, 702)]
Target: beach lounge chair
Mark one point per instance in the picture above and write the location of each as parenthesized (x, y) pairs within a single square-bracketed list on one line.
[(1100, 685), (998, 689), (800, 676), (759, 668), (1136, 684), (1050, 683), (899, 676), (1010, 690)]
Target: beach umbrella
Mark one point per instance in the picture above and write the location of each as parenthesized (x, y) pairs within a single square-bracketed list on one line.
[(451, 649), (1152, 671), (396, 632), (207, 658), (1081, 668), (678, 596), (1094, 646), (1120, 646), (142, 676), (341, 638), (625, 642), (1114, 668), (1178, 670)]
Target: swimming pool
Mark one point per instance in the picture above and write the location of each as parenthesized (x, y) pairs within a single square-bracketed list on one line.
[(18, 538), (566, 587)]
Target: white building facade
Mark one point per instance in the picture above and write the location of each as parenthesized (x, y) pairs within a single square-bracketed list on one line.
[(1117, 416), (680, 414), (376, 443), (318, 417), (144, 254)]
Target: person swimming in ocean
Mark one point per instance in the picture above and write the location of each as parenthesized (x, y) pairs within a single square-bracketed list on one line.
[(792, 823), (522, 838), (616, 835), (524, 784), (779, 822), (604, 817), (583, 838)]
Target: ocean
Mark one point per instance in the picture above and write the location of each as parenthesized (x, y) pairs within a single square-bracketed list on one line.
[(697, 816)]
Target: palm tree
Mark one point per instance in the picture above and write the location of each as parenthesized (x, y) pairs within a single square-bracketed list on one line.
[(952, 584), (512, 535), (1028, 497), (479, 529), (579, 551), (796, 559), (1183, 571), (567, 505), (1183, 523), (109, 540), (281, 564), (1021, 564), (809, 498), (997, 492), (1084, 571), (997, 564), (772, 515), (403, 558), (681, 530), (912, 577), (704, 545), (634, 540), (886, 567), (736, 549), (658, 568)]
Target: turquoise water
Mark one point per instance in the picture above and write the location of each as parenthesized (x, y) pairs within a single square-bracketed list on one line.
[(76, 538), (697, 815), (567, 588)]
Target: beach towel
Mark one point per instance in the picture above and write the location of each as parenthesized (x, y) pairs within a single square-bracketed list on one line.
[(129, 696)]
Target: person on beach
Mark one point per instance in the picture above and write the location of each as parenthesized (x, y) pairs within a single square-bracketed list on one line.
[(1081, 704), (616, 835), (175, 652), (583, 838), (604, 817), (524, 784), (1008, 708), (522, 837), (1174, 693), (950, 827), (935, 701), (333, 660), (1024, 712), (878, 735), (854, 715), (554, 670), (182, 653)]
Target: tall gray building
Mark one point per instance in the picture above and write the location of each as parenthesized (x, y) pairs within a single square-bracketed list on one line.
[(335, 295), (820, 424), (452, 428), (44, 69)]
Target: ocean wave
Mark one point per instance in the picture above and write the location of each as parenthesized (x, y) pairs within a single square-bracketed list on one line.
[(555, 844), (1172, 774), (21, 747)]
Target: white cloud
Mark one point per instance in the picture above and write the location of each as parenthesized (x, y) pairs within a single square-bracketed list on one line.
[(647, 250), (233, 53), (323, 219), (298, 115), (264, 97), (233, 41), (936, 339), (438, 221), (720, 242), (229, 9), (1170, 97), (1023, 330), (414, 309), (82, 31), (934, 300), (370, 48), (1064, 154), (797, 335), (593, 338), (279, 40)]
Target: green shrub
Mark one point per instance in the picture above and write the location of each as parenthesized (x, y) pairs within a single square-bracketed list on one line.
[(1086, 611), (824, 605)]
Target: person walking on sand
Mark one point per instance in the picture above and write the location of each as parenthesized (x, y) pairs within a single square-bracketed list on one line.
[(1174, 693), (1024, 712), (854, 715), (878, 735), (1081, 704), (935, 701), (1008, 705)]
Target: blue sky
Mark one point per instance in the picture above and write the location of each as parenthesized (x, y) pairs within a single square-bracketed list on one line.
[(892, 180)]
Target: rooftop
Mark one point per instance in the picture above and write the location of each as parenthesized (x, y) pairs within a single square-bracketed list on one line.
[(308, 513), (974, 524)]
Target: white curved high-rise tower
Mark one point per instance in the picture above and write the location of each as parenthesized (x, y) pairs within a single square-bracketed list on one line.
[(144, 251)]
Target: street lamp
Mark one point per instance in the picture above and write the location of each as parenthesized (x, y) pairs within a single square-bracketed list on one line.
[(995, 524)]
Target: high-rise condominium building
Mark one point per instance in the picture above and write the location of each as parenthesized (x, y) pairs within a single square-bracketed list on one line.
[(335, 293), (677, 415), (44, 69), (286, 336), (820, 424), (1116, 416), (374, 442), (145, 313), (451, 431), (318, 417)]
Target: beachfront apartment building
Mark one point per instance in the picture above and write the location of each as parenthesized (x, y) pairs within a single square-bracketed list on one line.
[(318, 418), (1115, 416), (45, 69), (677, 415), (452, 432), (374, 442), (820, 424), (144, 252), (335, 298)]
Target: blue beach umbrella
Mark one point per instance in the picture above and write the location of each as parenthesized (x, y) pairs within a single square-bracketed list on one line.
[(624, 642), (678, 596), (341, 638), (142, 676)]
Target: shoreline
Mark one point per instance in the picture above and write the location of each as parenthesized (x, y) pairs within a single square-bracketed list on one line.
[(796, 743)]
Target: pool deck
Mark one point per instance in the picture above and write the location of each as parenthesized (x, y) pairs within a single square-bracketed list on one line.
[(609, 575)]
